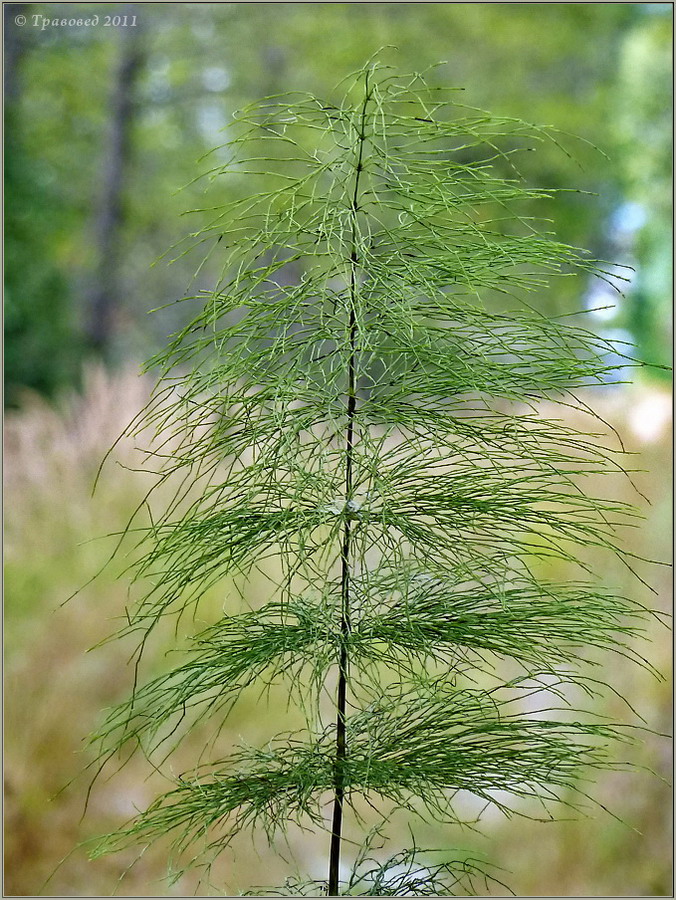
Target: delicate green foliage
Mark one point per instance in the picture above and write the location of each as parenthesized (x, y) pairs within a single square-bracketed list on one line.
[(404, 874), (401, 625), (354, 414), (236, 652), (428, 743)]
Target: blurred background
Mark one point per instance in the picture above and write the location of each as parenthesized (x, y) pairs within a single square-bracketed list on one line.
[(105, 127)]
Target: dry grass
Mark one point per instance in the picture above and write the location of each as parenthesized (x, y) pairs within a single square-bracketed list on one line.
[(55, 690)]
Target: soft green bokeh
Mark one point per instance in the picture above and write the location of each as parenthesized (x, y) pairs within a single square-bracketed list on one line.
[(601, 72)]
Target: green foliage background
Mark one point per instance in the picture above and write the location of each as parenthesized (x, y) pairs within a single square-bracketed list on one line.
[(601, 71)]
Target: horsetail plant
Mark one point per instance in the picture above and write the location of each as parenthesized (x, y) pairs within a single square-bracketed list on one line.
[(355, 414)]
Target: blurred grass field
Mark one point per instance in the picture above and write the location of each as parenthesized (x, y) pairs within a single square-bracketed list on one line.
[(55, 690)]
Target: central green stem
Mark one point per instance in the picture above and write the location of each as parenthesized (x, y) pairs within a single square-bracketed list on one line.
[(345, 624)]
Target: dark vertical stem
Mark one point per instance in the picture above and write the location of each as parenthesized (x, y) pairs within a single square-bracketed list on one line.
[(345, 625)]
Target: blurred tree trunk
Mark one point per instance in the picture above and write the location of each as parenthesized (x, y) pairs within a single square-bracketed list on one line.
[(16, 41), (273, 66), (106, 291), (16, 44), (273, 69)]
